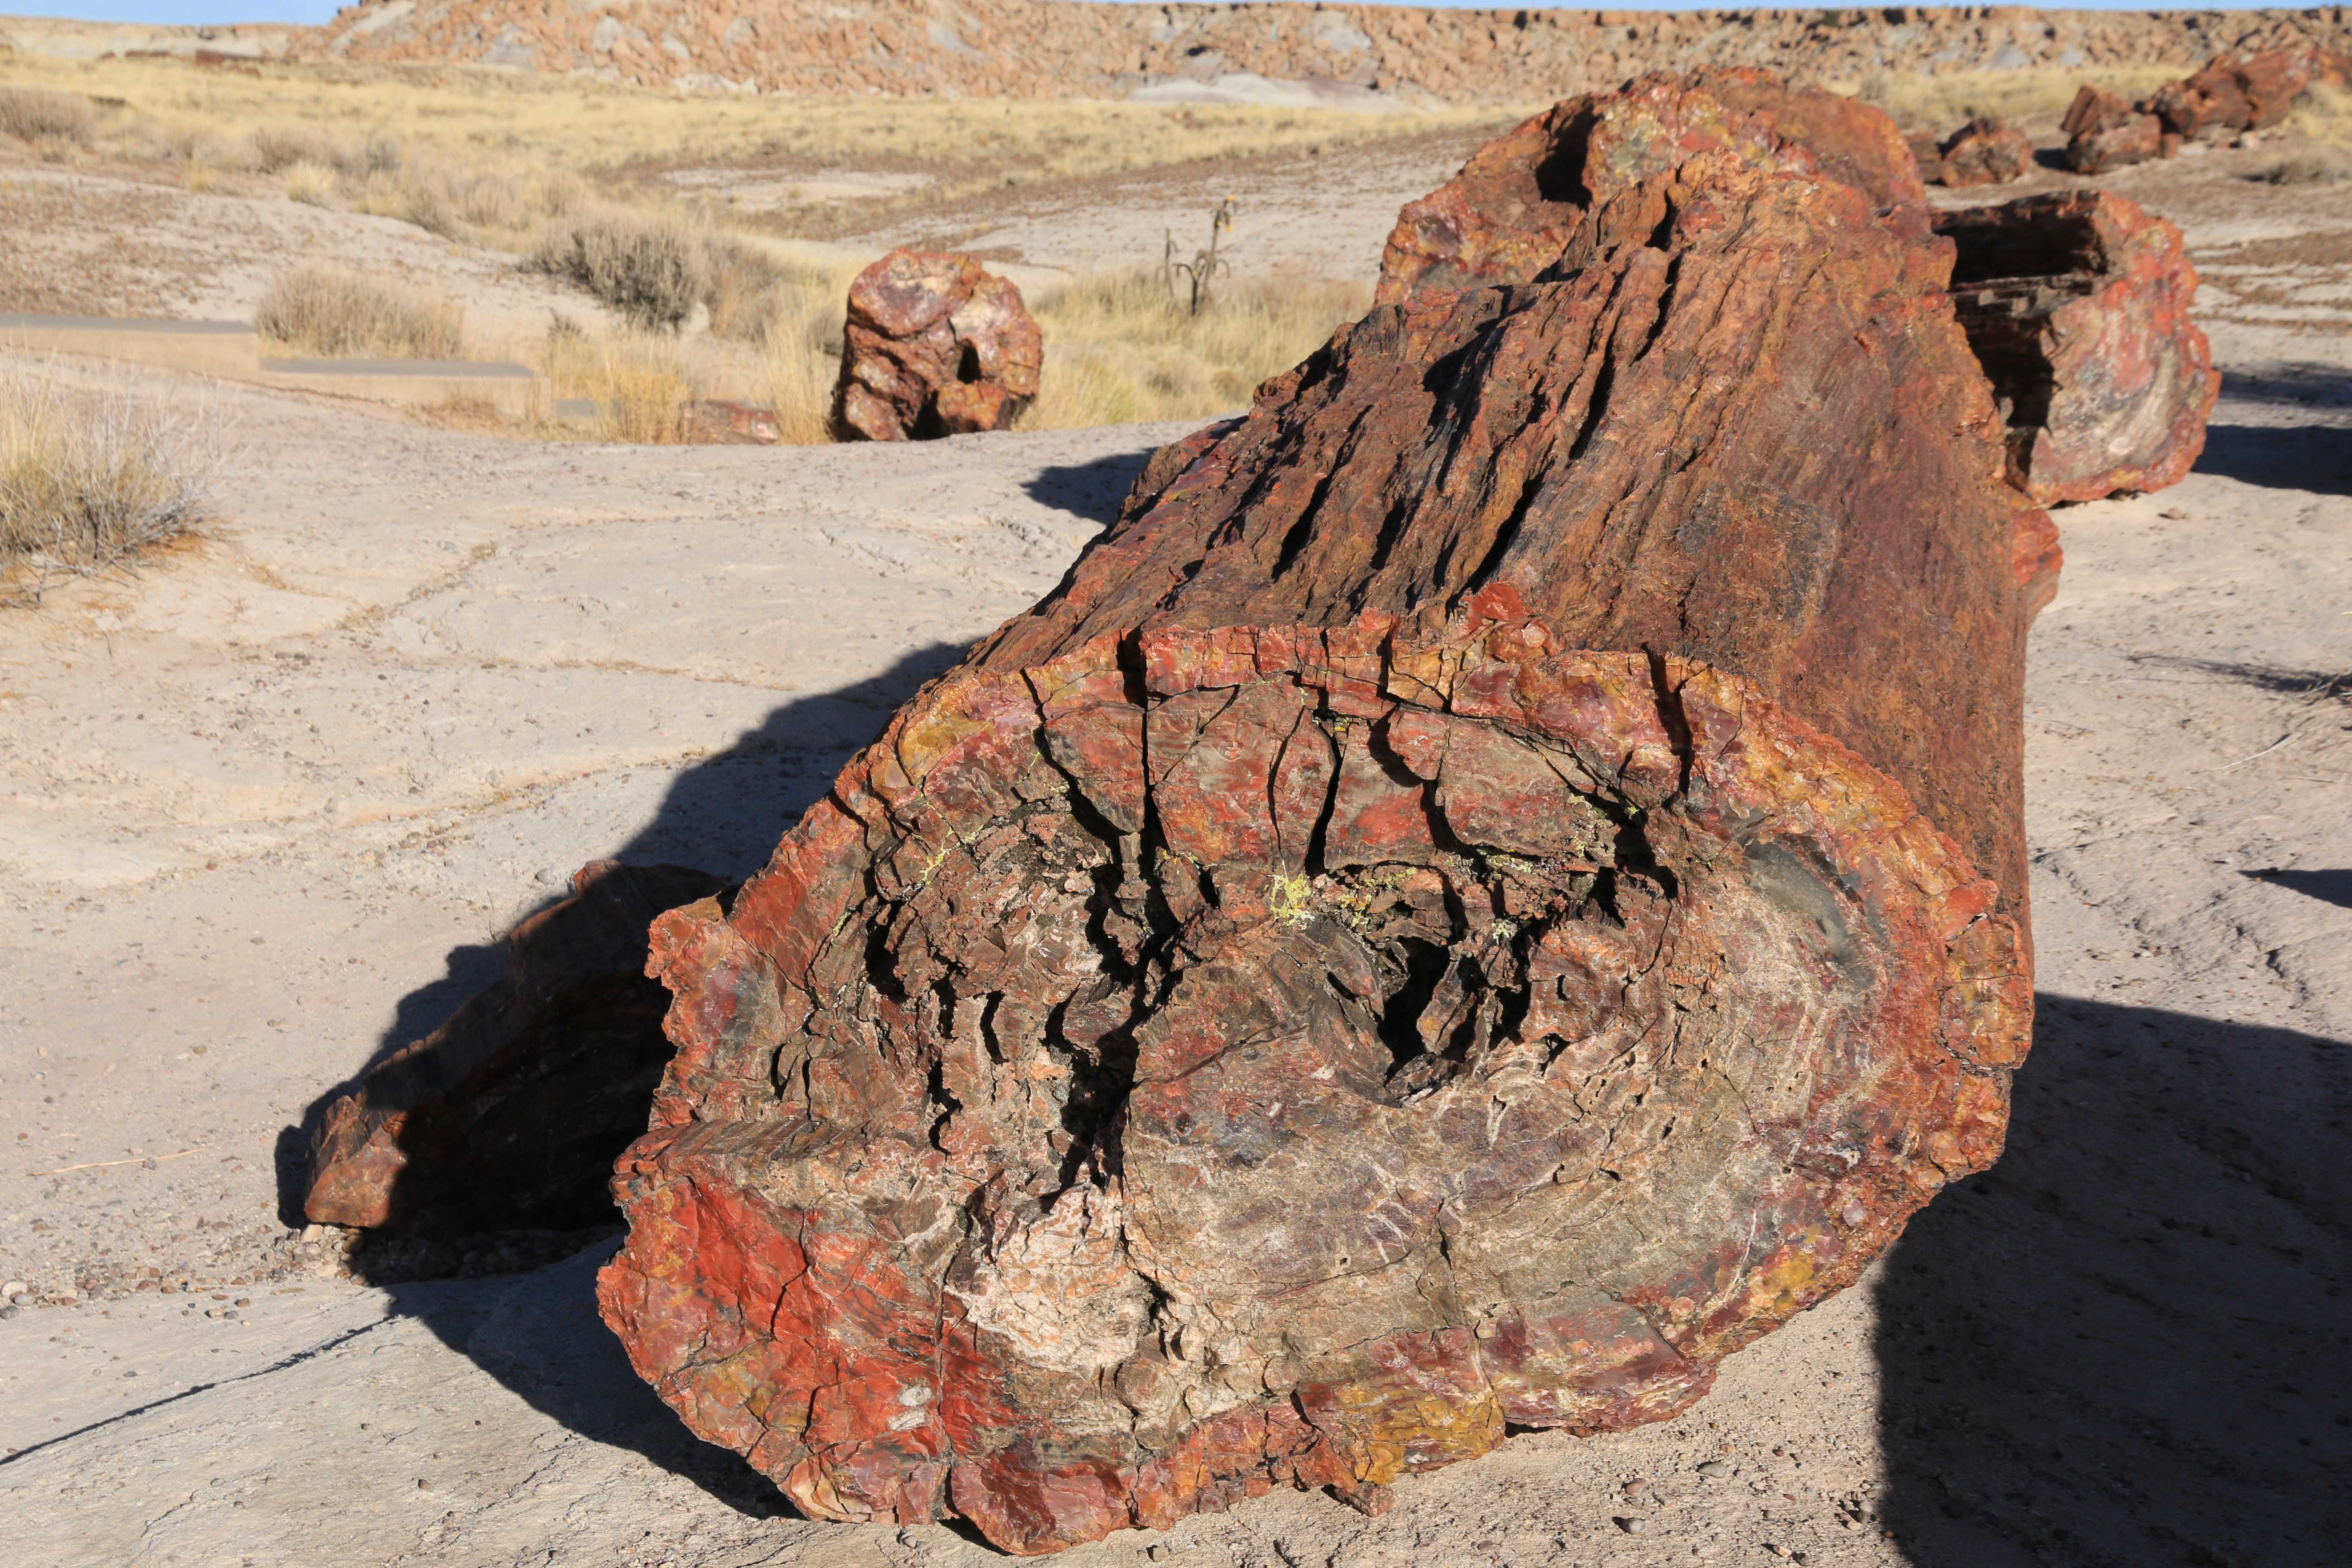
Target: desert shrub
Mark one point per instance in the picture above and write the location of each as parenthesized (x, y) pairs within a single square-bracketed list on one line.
[(35, 113), (87, 481), (311, 184), (651, 267), (2310, 166), (274, 149), (1120, 349), (336, 314)]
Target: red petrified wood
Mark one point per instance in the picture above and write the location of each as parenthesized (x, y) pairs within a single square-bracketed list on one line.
[(934, 346), (2245, 91), (509, 1115), (2077, 305), (1506, 215), (2103, 132), (1986, 151), (1498, 881)]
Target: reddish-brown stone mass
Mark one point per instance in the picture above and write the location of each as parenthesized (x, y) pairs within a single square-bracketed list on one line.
[(2077, 303), (1986, 151), (1496, 881), (508, 1116), (1506, 215), (2105, 131), (934, 346), (2245, 90)]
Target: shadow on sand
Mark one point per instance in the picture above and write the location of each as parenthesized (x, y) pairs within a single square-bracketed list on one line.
[(2314, 458), (1092, 489), (538, 1334), (2126, 1343)]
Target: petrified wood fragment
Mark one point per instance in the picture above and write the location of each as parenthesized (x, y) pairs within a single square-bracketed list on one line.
[(934, 346), (2103, 132), (509, 1116), (1854, 143), (2244, 92), (1986, 151), (2077, 305), (1496, 881)]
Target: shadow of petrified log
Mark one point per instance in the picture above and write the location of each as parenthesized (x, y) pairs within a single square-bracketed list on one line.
[(1498, 881), (509, 1116)]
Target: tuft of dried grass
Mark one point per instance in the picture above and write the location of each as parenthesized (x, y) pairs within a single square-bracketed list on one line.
[(1941, 101), (336, 314), (640, 383), (652, 268), (2310, 166), (311, 183), (802, 346), (1120, 349), (44, 114), (88, 480)]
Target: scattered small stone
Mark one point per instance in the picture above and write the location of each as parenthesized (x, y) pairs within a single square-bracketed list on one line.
[(1161, 1554), (2177, 514), (245, 1301), (1633, 1526), (1636, 1485), (1715, 1469), (8, 1312), (1774, 1547)]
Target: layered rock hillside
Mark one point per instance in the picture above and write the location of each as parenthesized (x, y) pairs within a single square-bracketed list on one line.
[(1056, 48)]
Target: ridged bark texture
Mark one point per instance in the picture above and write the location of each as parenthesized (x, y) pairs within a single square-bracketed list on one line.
[(1495, 882)]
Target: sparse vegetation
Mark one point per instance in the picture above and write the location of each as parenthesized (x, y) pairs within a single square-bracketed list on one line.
[(87, 479), (335, 314), (39, 114), (652, 268), (1120, 349), (2310, 166), (640, 382), (1940, 102)]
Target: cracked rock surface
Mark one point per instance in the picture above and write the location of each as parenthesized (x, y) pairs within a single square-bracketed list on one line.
[(1493, 885)]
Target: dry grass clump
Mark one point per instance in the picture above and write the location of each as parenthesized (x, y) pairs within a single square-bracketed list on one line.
[(88, 480), (1938, 103), (652, 268), (2322, 115), (1120, 349), (640, 382), (2310, 166), (336, 315), (42, 114)]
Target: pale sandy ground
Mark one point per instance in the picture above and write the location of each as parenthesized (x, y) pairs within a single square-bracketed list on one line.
[(265, 807)]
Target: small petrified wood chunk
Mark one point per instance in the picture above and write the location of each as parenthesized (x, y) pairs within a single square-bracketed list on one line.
[(1496, 881), (2244, 92), (509, 1115), (2077, 305), (1986, 151), (2103, 132), (934, 346)]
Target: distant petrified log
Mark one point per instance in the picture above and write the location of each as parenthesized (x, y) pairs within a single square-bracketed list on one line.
[(2103, 132), (934, 346), (1986, 151), (1497, 880), (2077, 305), (2244, 92), (509, 1115), (1508, 213)]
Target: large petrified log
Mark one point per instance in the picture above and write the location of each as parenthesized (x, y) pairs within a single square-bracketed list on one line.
[(1507, 213), (509, 1115), (1496, 881), (934, 346), (2077, 303)]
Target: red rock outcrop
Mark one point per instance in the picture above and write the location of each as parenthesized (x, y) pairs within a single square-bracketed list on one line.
[(2077, 304), (1497, 880), (1506, 215), (1986, 151), (934, 346), (2245, 91), (1046, 48), (2103, 132), (509, 1116)]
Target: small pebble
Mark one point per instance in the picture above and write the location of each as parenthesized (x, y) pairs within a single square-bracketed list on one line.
[(2174, 512), (1715, 1469), (1633, 1486), (1775, 1548), (1159, 1553), (1633, 1526)]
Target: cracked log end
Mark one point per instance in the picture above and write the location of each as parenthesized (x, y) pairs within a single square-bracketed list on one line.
[(1222, 1059)]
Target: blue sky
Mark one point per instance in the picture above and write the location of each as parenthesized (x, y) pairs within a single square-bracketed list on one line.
[(204, 11)]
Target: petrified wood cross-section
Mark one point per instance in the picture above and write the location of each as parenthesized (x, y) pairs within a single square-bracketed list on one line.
[(1495, 882)]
